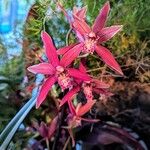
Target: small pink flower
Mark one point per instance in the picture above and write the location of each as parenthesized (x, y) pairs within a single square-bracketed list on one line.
[(55, 69), (90, 38), (75, 118), (88, 87)]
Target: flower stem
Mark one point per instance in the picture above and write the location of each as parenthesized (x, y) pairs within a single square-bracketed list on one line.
[(47, 143), (67, 36)]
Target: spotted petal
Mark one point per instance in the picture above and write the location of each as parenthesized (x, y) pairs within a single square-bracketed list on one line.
[(50, 49), (47, 85), (71, 55), (108, 58), (107, 33), (101, 18), (43, 68)]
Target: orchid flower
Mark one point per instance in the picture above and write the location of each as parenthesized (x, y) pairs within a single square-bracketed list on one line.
[(88, 87), (55, 69), (94, 85), (75, 117), (90, 38)]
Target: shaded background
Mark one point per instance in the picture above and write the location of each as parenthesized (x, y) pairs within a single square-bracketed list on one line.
[(20, 44)]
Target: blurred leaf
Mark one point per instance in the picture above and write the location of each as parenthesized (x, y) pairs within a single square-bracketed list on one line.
[(105, 134), (11, 128)]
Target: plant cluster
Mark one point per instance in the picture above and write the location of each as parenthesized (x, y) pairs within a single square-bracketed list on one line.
[(60, 68)]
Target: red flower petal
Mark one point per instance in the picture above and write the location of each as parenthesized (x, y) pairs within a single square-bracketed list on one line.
[(81, 26), (71, 55), (65, 49), (82, 68), (80, 13), (43, 68), (108, 58), (69, 95), (71, 107), (85, 108), (79, 36), (50, 49), (79, 75), (101, 18), (44, 90), (107, 33)]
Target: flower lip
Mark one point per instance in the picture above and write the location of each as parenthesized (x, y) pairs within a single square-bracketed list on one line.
[(60, 69), (92, 35)]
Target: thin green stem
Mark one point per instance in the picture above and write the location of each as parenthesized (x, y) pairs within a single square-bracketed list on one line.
[(67, 36)]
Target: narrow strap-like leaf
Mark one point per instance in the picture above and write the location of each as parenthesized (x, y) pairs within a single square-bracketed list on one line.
[(9, 131)]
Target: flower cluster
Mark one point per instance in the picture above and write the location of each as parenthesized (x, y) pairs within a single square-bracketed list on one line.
[(61, 71)]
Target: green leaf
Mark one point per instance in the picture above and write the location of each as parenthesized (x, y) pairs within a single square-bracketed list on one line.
[(9, 131)]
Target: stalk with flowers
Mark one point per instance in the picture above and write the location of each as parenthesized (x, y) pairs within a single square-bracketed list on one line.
[(60, 69)]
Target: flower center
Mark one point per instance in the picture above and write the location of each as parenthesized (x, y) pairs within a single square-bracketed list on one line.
[(59, 69), (87, 89), (89, 44), (64, 79)]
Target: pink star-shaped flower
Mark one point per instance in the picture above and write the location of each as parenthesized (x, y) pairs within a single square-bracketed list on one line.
[(90, 38), (55, 69)]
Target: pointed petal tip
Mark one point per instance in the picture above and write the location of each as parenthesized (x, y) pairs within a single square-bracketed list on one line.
[(118, 70), (30, 69), (42, 34), (60, 105), (42, 68), (107, 4), (121, 73), (119, 27), (108, 58), (37, 105), (101, 19)]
